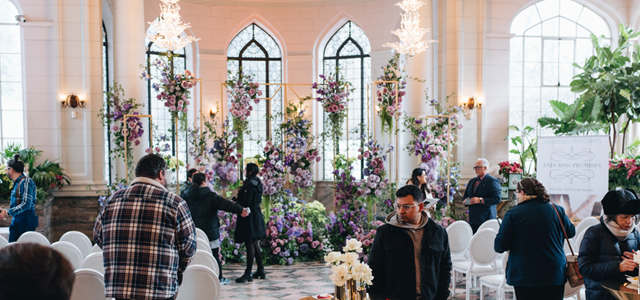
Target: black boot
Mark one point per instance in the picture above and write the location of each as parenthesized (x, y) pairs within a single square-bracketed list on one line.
[(260, 274), (244, 278)]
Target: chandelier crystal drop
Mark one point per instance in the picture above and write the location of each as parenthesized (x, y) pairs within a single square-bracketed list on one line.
[(410, 33), (169, 26)]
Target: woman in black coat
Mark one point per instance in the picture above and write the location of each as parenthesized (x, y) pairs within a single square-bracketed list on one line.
[(606, 251), (251, 230)]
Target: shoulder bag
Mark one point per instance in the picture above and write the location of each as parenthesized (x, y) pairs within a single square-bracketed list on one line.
[(571, 272)]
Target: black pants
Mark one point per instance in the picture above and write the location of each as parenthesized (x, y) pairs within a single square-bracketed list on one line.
[(216, 255), (475, 226), (554, 292)]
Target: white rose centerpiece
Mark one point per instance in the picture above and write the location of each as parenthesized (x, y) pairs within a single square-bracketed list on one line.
[(347, 269)]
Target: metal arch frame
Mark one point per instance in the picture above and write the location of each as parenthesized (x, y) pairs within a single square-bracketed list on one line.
[(126, 133), (105, 47), (396, 150), (337, 58)]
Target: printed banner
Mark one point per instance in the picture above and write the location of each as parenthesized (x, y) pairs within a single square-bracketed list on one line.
[(575, 172)]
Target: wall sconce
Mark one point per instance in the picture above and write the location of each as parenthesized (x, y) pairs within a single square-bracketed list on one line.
[(72, 101), (377, 108), (472, 103), (213, 112)]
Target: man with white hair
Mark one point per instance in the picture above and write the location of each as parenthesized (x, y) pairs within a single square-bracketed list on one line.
[(482, 195)]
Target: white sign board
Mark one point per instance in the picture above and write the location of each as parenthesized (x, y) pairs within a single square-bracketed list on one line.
[(575, 172)]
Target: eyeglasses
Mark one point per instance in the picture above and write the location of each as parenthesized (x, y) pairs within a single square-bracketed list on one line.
[(406, 208), (476, 168)]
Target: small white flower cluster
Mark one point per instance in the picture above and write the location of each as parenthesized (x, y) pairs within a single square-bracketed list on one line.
[(348, 266)]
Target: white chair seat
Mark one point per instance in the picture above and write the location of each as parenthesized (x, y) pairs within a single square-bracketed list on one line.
[(204, 258), (199, 282), (95, 262), (88, 285), (70, 252), (456, 258), (464, 265), (492, 279), (34, 237), (204, 245), (3, 242), (80, 240)]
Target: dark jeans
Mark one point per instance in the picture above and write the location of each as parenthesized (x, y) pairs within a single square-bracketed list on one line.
[(475, 226), (554, 292), (26, 221), (216, 255)]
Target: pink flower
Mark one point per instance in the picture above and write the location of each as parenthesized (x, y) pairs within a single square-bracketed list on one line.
[(315, 244), (276, 251), (148, 150), (309, 239), (334, 108), (300, 240)]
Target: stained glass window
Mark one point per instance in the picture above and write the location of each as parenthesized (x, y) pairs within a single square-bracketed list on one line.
[(162, 120), (549, 37), (349, 49), (105, 85), (258, 54), (11, 95)]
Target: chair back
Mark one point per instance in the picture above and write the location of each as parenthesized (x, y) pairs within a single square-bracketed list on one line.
[(95, 262), (199, 282), (204, 258), (88, 285), (460, 234), (204, 245), (95, 249), (586, 223), (493, 224), (34, 237), (566, 249), (568, 290), (201, 234), (481, 247), (80, 240), (70, 252), (3, 242), (578, 241)]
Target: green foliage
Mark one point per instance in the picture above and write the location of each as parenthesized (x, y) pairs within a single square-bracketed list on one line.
[(526, 147), (315, 212)]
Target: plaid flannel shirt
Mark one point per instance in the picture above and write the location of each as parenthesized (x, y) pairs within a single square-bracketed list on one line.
[(27, 190), (148, 239)]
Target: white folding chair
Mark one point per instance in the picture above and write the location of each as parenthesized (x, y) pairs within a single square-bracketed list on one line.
[(94, 261), (88, 285), (95, 249), (80, 240), (34, 237), (3, 242), (578, 241), (201, 234), (460, 234), (482, 258), (585, 224), (204, 245), (496, 282), (567, 251), (70, 252), (204, 258), (493, 224), (199, 282)]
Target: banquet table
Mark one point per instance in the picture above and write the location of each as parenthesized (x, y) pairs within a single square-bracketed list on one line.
[(620, 290)]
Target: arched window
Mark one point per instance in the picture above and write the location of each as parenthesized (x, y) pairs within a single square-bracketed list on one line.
[(549, 37), (162, 120), (349, 50), (105, 86), (11, 96), (255, 52)]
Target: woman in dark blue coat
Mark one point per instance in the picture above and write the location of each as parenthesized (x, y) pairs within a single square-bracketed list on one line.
[(532, 232), (606, 251)]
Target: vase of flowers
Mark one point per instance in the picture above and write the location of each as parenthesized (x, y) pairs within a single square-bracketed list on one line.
[(507, 168), (346, 269)]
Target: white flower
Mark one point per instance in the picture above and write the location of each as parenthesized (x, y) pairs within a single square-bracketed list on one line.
[(352, 245), (350, 258), (339, 274), (333, 258), (362, 272)]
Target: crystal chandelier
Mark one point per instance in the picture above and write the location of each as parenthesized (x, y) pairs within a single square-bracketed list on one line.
[(169, 26), (410, 33)]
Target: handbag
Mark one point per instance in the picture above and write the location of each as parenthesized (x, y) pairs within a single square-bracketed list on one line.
[(572, 273)]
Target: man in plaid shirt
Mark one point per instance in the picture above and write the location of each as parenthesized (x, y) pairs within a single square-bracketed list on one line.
[(147, 236)]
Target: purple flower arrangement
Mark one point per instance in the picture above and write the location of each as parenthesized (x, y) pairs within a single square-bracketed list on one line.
[(390, 103), (273, 170), (119, 184), (241, 91), (230, 251), (374, 156), (173, 89), (224, 167), (334, 95)]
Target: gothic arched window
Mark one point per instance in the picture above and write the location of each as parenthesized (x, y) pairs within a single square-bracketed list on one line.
[(11, 95), (348, 49), (255, 52)]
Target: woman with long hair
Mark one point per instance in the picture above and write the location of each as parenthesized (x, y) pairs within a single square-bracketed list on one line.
[(533, 234), (251, 230), (419, 179)]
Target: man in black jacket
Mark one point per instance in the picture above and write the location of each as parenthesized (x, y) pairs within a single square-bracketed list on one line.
[(204, 205), (482, 195), (410, 241)]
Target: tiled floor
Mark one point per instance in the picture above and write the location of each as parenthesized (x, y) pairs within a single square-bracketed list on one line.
[(297, 281)]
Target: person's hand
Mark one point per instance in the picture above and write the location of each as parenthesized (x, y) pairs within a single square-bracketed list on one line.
[(244, 213), (3, 214), (474, 200), (628, 255), (627, 265)]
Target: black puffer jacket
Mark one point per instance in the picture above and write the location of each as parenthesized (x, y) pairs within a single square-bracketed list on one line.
[(600, 257), (204, 205), (252, 227)]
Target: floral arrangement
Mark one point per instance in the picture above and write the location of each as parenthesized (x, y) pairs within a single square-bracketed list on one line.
[(425, 145), (347, 189), (375, 180), (112, 117), (173, 89), (347, 267), (119, 184), (199, 144), (333, 95), (507, 168), (224, 171), (241, 91), (445, 215), (229, 251), (454, 183), (273, 175), (624, 172), (390, 103), (163, 149)]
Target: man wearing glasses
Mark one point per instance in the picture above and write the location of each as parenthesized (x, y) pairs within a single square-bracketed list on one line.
[(482, 195), (410, 256)]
